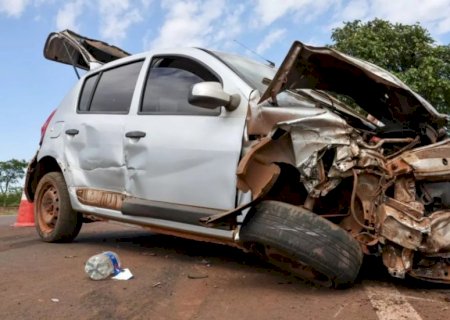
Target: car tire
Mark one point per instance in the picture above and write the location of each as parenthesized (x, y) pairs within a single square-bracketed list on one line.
[(302, 243), (55, 219)]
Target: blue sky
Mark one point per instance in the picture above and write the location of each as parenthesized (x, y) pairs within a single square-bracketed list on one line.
[(31, 87)]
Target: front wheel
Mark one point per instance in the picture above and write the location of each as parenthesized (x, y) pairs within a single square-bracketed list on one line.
[(54, 218), (303, 243)]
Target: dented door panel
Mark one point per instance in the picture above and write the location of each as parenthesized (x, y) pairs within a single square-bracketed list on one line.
[(95, 155), (175, 163)]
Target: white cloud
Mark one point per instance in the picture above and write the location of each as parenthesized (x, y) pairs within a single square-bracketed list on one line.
[(432, 14), (230, 26), (197, 23), (354, 10), (67, 16), (270, 39), (13, 8), (116, 16), (268, 11)]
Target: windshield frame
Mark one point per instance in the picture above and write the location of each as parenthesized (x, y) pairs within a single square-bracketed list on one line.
[(261, 85)]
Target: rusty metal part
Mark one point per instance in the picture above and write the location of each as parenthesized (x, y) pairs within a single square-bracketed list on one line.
[(48, 210), (368, 191), (398, 261), (380, 143), (100, 198), (352, 203), (405, 226), (431, 162), (398, 166), (402, 228), (433, 271), (405, 207), (366, 240), (409, 146), (405, 192), (439, 237), (257, 171)]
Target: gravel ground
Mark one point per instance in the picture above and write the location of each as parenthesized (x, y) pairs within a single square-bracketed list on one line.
[(181, 279)]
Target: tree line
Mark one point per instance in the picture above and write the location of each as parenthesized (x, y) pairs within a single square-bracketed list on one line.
[(408, 51), (11, 174)]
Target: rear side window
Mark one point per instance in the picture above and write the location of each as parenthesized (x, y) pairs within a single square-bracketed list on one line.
[(86, 94), (168, 84), (110, 91)]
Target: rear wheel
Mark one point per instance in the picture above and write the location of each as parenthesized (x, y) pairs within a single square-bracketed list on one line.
[(54, 218), (303, 243)]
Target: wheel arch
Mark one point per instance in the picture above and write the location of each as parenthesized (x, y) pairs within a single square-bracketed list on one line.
[(36, 170), (265, 170)]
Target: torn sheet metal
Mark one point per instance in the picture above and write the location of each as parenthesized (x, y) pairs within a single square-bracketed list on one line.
[(257, 171), (374, 89), (311, 136), (431, 162)]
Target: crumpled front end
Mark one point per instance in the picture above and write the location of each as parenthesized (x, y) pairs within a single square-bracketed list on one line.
[(388, 192), (416, 223)]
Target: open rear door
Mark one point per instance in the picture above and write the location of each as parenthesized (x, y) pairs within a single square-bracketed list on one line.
[(81, 52)]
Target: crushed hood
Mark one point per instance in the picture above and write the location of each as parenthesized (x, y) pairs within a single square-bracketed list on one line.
[(71, 48), (374, 89)]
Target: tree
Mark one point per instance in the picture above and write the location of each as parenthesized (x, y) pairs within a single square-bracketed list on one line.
[(11, 172), (408, 51)]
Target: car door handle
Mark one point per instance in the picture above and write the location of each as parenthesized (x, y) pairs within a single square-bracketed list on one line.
[(72, 132), (135, 134)]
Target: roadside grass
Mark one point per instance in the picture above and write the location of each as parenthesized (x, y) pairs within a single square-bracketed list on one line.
[(6, 211)]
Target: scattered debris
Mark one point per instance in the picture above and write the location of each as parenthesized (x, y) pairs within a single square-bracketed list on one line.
[(124, 274), (157, 284)]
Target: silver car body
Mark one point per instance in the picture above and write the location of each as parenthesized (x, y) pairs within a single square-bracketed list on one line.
[(197, 175)]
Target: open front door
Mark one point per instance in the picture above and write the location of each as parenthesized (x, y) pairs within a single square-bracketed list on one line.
[(81, 52)]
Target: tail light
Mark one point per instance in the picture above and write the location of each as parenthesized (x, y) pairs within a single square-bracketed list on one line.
[(45, 125)]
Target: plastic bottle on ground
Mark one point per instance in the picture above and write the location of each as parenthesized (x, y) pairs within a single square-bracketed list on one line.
[(102, 265)]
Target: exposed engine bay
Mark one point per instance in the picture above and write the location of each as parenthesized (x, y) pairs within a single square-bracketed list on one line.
[(382, 174)]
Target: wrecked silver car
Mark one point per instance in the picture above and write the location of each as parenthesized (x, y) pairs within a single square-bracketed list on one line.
[(311, 166)]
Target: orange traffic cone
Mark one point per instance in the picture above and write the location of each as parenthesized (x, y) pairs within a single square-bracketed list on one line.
[(25, 215)]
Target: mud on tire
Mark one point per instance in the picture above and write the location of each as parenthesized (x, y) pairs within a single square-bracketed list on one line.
[(54, 218), (303, 243)]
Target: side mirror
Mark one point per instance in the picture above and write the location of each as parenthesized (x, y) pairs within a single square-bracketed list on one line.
[(210, 95)]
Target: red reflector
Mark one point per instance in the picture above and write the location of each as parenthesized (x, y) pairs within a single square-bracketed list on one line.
[(45, 125)]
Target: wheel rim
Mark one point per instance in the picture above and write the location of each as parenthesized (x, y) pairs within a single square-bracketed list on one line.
[(48, 208)]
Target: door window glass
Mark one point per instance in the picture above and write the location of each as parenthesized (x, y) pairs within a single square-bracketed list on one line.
[(114, 90), (168, 84)]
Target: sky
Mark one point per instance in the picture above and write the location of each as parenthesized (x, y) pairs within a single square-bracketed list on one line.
[(31, 87)]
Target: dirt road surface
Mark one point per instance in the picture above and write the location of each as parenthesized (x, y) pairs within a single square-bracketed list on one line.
[(180, 279)]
